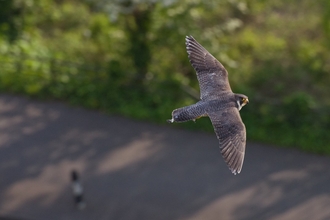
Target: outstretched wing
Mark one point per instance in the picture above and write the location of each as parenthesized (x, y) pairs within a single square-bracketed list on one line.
[(231, 134), (212, 76)]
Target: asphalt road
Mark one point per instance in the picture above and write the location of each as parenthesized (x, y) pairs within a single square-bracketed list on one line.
[(134, 170)]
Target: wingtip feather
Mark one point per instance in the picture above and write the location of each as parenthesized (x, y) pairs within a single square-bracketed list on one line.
[(189, 38), (236, 170)]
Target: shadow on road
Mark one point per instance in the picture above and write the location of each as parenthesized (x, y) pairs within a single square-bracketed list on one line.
[(135, 170)]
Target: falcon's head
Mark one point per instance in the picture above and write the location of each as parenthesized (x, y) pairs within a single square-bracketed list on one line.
[(241, 100)]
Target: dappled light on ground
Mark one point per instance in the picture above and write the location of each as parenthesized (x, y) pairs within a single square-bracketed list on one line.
[(135, 170)]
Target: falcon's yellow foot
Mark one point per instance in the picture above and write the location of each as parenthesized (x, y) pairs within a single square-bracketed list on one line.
[(194, 120)]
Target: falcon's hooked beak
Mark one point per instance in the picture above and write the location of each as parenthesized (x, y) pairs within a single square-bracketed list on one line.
[(245, 101), (242, 102)]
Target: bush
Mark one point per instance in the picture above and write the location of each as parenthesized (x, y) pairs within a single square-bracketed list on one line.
[(136, 64)]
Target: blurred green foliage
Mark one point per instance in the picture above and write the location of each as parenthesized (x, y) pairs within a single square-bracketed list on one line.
[(128, 57)]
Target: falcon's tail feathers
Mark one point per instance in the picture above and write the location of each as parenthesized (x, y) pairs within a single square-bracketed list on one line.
[(188, 113)]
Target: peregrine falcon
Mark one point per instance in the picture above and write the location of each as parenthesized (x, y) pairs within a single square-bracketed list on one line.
[(218, 102)]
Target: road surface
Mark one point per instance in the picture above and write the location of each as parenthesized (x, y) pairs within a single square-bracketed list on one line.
[(133, 170)]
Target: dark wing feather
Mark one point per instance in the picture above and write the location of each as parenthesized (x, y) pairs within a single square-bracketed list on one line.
[(212, 76), (231, 134)]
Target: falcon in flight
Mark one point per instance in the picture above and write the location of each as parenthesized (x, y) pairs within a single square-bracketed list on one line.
[(218, 102)]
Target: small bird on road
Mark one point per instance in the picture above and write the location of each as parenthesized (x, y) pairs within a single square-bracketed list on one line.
[(218, 102)]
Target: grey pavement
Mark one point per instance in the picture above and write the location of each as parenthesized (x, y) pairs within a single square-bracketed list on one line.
[(134, 170)]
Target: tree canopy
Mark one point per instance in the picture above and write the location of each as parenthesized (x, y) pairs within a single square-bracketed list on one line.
[(128, 57)]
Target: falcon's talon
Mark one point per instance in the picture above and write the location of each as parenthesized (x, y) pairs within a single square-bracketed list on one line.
[(218, 102)]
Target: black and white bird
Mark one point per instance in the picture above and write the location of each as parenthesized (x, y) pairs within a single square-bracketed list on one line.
[(77, 190), (218, 102)]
